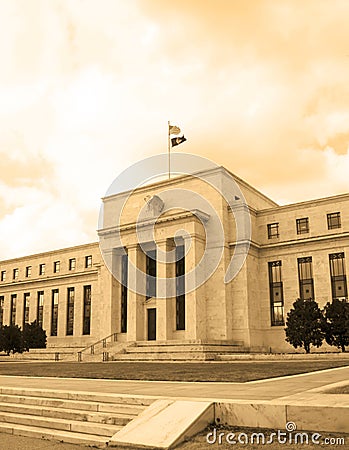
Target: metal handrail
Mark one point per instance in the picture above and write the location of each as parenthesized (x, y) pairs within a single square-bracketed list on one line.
[(91, 347)]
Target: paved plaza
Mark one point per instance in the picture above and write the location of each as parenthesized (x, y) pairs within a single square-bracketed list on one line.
[(269, 389)]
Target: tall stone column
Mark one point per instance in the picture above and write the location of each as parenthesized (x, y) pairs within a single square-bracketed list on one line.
[(195, 301), (165, 320), (33, 306), (19, 309), (62, 312), (135, 301), (78, 310), (46, 316)]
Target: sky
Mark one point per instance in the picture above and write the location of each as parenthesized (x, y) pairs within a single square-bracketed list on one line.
[(87, 88)]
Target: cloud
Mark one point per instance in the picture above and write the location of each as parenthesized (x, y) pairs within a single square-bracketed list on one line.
[(258, 86)]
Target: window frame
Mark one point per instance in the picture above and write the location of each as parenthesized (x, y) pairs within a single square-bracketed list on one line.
[(300, 223), (338, 278), (305, 268), (88, 261), (28, 271), (274, 268), (42, 269), (72, 263), (56, 266), (331, 220), (271, 227)]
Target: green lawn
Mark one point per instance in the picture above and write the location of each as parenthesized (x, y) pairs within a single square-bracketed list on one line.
[(240, 371)]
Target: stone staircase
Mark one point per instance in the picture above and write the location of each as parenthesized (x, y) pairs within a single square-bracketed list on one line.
[(75, 417), (194, 350)]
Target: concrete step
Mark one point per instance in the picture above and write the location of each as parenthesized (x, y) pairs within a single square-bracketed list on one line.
[(69, 414), (47, 356), (71, 405), (92, 397), (187, 342), (90, 418), (59, 424), (59, 435), (183, 349), (163, 356)]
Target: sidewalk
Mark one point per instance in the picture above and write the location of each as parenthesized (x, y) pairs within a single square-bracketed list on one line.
[(269, 389)]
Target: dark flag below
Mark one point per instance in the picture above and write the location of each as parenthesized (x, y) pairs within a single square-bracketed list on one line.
[(177, 140)]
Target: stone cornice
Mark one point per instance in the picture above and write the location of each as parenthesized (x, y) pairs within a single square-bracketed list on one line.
[(50, 253), (305, 204), (162, 219), (295, 242), (49, 279)]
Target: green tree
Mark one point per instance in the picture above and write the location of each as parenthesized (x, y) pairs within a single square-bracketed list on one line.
[(11, 339), (336, 324), (34, 336), (304, 324)]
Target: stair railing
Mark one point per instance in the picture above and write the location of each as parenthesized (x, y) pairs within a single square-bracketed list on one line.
[(91, 348)]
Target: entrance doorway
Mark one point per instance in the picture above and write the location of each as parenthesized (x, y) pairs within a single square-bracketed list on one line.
[(151, 324)]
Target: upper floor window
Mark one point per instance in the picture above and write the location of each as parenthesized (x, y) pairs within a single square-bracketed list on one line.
[(3, 275), (72, 263), (88, 261), (273, 230), (56, 266), (334, 220), (15, 274), (28, 271), (42, 269), (302, 225)]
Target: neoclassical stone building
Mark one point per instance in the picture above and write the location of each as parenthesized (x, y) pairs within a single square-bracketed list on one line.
[(295, 250)]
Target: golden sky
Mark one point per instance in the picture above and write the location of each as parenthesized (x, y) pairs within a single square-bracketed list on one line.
[(87, 87)]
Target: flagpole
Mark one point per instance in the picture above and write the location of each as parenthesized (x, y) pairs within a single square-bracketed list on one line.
[(169, 152)]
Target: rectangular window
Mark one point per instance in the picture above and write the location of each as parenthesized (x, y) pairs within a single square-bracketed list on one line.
[(13, 307), (334, 220), (276, 293), (42, 269), (3, 275), (40, 308), (87, 310), (302, 225), (28, 271), (70, 311), (54, 312), (2, 301), (124, 281), (26, 298), (151, 273), (338, 276), (305, 278), (15, 274), (72, 263), (88, 261), (180, 288), (273, 230), (56, 266)]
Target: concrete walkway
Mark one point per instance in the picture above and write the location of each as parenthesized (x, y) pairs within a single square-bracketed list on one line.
[(269, 389)]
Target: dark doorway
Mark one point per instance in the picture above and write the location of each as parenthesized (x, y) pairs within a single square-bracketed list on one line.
[(151, 324)]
